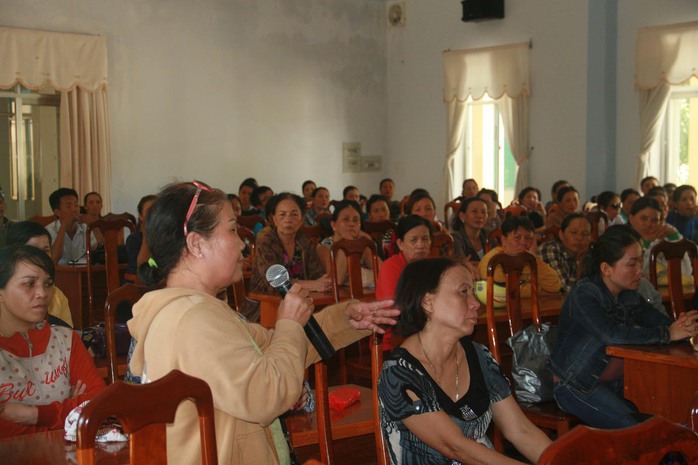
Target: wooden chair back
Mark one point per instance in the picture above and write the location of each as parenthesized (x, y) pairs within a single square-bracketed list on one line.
[(599, 222), (316, 233), (646, 443), (112, 231), (144, 410), (250, 221), (546, 415), (353, 250), (441, 245), (673, 253), (513, 266), (130, 293), (121, 216), (43, 220), (450, 209), (494, 238), (351, 422), (551, 232), (514, 210), (380, 227)]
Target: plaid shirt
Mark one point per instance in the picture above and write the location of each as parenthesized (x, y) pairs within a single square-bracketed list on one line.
[(561, 260)]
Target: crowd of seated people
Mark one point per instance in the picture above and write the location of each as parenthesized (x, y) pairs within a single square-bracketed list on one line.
[(185, 266)]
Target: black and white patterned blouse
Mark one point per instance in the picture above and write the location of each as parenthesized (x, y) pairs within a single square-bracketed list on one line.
[(472, 412)]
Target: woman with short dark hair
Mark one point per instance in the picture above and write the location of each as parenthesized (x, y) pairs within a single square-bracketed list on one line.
[(45, 371), (439, 390)]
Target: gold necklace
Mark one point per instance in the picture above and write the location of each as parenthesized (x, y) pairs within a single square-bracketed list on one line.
[(438, 378)]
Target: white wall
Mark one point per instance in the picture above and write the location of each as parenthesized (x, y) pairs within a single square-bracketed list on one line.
[(220, 90), (224, 89)]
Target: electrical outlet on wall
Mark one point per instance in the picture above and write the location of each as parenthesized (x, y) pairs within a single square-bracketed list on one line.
[(351, 157), (371, 163)]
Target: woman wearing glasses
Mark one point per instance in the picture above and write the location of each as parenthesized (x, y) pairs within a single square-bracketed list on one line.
[(609, 202), (255, 374)]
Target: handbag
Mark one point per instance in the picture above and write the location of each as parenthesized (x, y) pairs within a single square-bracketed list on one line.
[(531, 346), (95, 339)]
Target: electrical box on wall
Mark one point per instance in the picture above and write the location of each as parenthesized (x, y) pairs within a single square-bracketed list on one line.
[(371, 163), (351, 157)]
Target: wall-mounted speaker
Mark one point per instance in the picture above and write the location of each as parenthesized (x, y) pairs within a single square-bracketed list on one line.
[(482, 10)]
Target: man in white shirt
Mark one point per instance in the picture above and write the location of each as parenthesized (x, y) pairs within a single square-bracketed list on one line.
[(67, 234)]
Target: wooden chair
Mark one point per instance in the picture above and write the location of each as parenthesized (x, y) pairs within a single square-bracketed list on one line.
[(315, 232), (494, 237), (545, 415), (322, 426), (43, 220), (377, 231), (673, 253), (111, 230), (143, 411), (380, 227), (353, 251), (130, 293), (551, 232), (597, 217), (441, 245), (450, 209), (646, 443), (514, 210), (251, 221)]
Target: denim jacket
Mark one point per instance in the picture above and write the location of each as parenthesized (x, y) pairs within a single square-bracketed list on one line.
[(591, 319)]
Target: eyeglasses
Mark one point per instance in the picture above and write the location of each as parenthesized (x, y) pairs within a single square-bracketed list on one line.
[(615, 205), (200, 186)]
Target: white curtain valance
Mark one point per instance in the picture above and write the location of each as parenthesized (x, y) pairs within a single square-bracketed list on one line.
[(666, 54), (62, 61), (494, 71)]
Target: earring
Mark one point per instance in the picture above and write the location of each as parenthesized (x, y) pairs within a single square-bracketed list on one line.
[(201, 255)]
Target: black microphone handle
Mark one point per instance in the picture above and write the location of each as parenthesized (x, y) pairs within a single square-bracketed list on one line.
[(312, 329), (318, 339)]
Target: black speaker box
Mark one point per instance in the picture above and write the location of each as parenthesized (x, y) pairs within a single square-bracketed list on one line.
[(481, 10)]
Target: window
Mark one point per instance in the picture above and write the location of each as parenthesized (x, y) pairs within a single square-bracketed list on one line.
[(678, 161), (29, 150), (486, 155)]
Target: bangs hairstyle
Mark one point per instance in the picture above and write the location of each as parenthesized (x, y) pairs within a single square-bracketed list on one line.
[(570, 218), (164, 226), (375, 198), (609, 247), (416, 196), (678, 192), (275, 200), (13, 255), (645, 202), (408, 223), (563, 191), (20, 233), (343, 205), (528, 189), (418, 279), (513, 223), (456, 223)]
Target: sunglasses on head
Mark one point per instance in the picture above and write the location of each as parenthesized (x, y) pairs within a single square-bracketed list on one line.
[(200, 186)]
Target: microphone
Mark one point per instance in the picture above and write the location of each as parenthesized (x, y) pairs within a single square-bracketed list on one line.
[(278, 278)]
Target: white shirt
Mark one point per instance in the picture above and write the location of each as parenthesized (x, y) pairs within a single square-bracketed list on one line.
[(75, 248)]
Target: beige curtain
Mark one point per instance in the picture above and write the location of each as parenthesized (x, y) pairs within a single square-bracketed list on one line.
[(665, 56), (501, 72), (76, 65)]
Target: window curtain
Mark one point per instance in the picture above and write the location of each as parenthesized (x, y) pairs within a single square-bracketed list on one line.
[(501, 72), (76, 65), (664, 56)]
